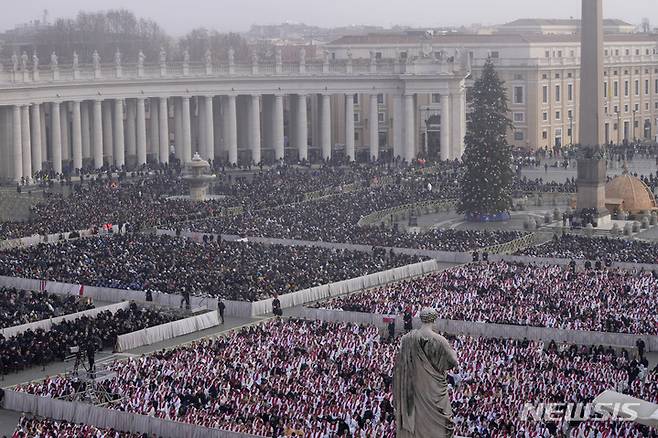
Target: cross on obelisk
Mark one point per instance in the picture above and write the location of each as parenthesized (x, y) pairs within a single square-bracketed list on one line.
[(591, 161)]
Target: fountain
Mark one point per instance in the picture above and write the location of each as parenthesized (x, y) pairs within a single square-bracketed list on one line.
[(198, 178)]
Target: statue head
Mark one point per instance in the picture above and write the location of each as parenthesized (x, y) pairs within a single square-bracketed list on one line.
[(428, 315)]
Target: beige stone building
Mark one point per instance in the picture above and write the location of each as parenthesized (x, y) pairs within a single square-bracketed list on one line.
[(542, 75)]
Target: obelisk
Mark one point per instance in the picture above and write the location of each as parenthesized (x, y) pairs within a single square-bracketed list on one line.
[(591, 159)]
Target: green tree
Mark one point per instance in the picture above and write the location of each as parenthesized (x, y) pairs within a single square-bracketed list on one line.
[(486, 185)]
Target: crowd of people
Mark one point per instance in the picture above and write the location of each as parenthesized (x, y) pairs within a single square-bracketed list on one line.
[(520, 294), (571, 246), (232, 270), (335, 219), (41, 347), (312, 378), (19, 306), (39, 427)]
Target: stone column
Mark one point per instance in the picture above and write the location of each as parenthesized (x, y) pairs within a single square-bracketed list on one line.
[(35, 124), (44, 134), (163, 125), (56, 137), (349, 127), (141, 131), (64, 129), (131, 131), (445, 127), (108, 135), (398, 126), (178, 127), (302, 127), (18, 144), (231, 129), (254, 129), (187, 130), (409, 127), (119, 136), (277, 128), (26, 141), (326, 126), (98, 134), (77, 136), (374, 128), (86, 140), (458, 108), (154, 130), (209, 126)]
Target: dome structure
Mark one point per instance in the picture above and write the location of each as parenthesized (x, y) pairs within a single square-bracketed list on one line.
[(634, 193)]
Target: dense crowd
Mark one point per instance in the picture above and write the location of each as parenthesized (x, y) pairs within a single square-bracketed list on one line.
[(335, 219), (233, 270), (538, 185), (517, 294), (40, 347), (571, 246), (38, 427), (315, 379), (22, 306)]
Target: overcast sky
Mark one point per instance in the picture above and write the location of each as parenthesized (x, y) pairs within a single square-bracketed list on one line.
[(179, 16)]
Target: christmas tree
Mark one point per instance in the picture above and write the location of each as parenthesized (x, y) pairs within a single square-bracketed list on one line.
[(486, 185)]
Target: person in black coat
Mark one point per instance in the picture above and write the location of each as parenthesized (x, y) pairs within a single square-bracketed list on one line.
[(220, 308), (276, 306)]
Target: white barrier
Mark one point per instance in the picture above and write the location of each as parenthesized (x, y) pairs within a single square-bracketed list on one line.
[(344, 287), (36, 239), (46, 324), (163, 332), (101, 417), (490, 330)]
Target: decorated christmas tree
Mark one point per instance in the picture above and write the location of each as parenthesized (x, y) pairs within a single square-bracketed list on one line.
[(486, 185)]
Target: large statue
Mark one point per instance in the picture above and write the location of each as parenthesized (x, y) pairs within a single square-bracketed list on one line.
[(54, 61), (140, 59), (76, 60), (117, 58), (420, 385), (96, 59)]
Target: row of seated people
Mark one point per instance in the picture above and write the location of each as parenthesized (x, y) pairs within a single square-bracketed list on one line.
[(19, 306), (41, 347), (232, 270), (521, 294), (310, 378), (571, 246)]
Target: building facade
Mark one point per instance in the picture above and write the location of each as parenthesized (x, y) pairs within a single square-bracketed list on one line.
[(542, 76), (94, 115)]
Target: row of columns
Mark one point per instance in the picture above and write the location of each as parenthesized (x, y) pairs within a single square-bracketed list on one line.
[(98, 126)]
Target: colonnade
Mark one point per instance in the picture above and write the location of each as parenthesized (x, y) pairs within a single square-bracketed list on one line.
[(124, 132)]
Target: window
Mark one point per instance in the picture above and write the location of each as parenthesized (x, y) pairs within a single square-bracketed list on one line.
[(547, 54), (637, 124), (646, 106), (625, 108), (357, 117), (559, 53), (615, 89), (519, 117), (616, 52), (518, 136), (557, 93), (626, 88), (545, 93), (656, 87), (637, 52), (436, 98), (381, 117), (557, 75), (518, 95), (380, 99), (605, 110), (569, 75), (570, 115), (495, 55), (518, 77), (403, 55), (628, 52), (605, 89), (545, 116), (637, 88), (616, 109), (637, 107), (569, 92), (606, 52), (572, 54), (646, 87), (356, 136), (656, 105), (378, 55), (557, 115), (544, 135), (356, 99)]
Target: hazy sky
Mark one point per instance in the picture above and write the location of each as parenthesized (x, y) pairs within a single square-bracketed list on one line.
[(179, 16)]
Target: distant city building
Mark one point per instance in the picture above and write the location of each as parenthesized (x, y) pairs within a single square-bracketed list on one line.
[(542, 75), (547, 26)]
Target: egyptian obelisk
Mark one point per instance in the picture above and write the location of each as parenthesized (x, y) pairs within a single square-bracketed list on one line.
[(591, 161)]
